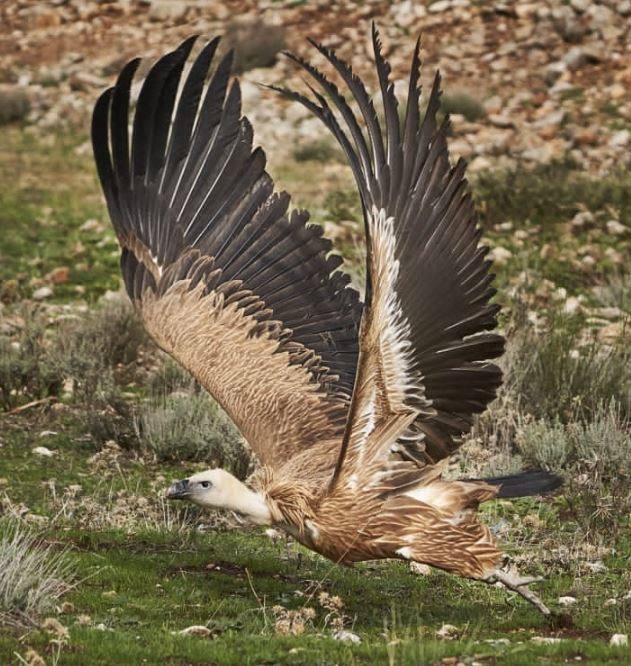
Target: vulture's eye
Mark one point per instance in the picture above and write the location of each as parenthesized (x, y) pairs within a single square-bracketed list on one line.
[(205, 484)]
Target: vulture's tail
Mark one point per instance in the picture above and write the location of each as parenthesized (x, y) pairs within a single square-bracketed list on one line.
[(535, 482)]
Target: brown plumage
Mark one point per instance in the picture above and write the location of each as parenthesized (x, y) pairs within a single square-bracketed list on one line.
[(350, 407)]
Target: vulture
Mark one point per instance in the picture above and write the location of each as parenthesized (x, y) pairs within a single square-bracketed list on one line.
[(352, 408)]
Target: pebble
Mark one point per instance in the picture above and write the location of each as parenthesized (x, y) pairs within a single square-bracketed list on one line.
[(42, 293), (346, 636), (619, 640), (448, 632), (567, 601), (43, 451)]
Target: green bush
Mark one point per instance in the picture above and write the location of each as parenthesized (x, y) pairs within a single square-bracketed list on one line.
[(190, 426), (255, 43), (593, 456), (556, 374), (463, 104)]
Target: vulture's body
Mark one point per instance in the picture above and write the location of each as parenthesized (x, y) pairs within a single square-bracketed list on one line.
[(350, 407)]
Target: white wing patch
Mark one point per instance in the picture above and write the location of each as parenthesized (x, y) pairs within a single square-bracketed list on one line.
[(392, 327)]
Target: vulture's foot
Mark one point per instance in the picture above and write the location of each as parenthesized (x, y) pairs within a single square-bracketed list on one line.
[(513, 581)]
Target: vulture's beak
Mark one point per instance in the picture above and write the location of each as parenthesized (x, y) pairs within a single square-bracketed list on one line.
[(179, 490)]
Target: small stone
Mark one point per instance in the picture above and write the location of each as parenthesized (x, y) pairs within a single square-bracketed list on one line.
[(42, 293), (566, 601), (619, 640), (582, 219), (91, 225), (567, 25), (596, 567), (43, 451), (66, 608), (59, 275), (194, 630), (580, 6), (346, 636), (167, 10), (554, 71), (620, 139), (572, 305), (439, 6), (500, 255), (420, 569), (624, 8), (448, 632), (610, 602), (615, 228), (545, 640), (500, 120)]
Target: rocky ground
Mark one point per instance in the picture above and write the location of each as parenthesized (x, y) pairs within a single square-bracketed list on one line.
[(541, 80)]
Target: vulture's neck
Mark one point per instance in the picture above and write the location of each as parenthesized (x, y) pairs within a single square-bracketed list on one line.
[(248, 503)]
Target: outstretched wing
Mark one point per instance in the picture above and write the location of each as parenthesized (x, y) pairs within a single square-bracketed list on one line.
[(424, 341), (243, 293)]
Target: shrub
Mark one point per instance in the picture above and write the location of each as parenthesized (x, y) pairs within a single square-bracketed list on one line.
[(593, 456), (14, 104), (463, 104), (555, 374), (256, 44), (320, 150), (28, 368), (190, 426), (32, 577)]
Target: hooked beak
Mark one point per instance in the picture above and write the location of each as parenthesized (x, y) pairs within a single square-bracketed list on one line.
[(179, 490)]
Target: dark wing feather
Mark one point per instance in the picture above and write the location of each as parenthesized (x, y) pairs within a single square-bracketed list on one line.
[(443, 288), (241, 291)]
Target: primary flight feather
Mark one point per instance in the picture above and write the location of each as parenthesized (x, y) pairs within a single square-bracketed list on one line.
[(350, 407)]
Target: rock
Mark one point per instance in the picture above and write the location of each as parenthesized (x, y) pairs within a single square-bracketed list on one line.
[(407, 13), (584, 218), (567, 25), (620, 139), (59, 275), (596, 567), (194, 630), (448, 632), (346, 636), (420, 569), (619, 640), (575, 58), (500, 255), (554, 71), (600, 17), (91, 225), (440, 6), (42, 293), (167, 10), (572, 306), (624, 8), (566, 601), (610, 602), (43, 451), (499, 120), (615, 228), (580, 6)]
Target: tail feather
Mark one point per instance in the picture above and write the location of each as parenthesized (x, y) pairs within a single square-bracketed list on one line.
[(535, 482)]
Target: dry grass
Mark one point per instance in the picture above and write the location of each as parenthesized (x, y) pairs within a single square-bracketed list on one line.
[(32, 577)]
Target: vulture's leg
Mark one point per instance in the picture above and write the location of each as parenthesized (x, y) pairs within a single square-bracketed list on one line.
[(513, 581)]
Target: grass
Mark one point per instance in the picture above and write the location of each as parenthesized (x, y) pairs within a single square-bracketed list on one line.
[(149, 569), (32, 577)]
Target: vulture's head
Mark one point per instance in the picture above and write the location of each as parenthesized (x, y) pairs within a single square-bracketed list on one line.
[(214, 488), (218, 489)]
